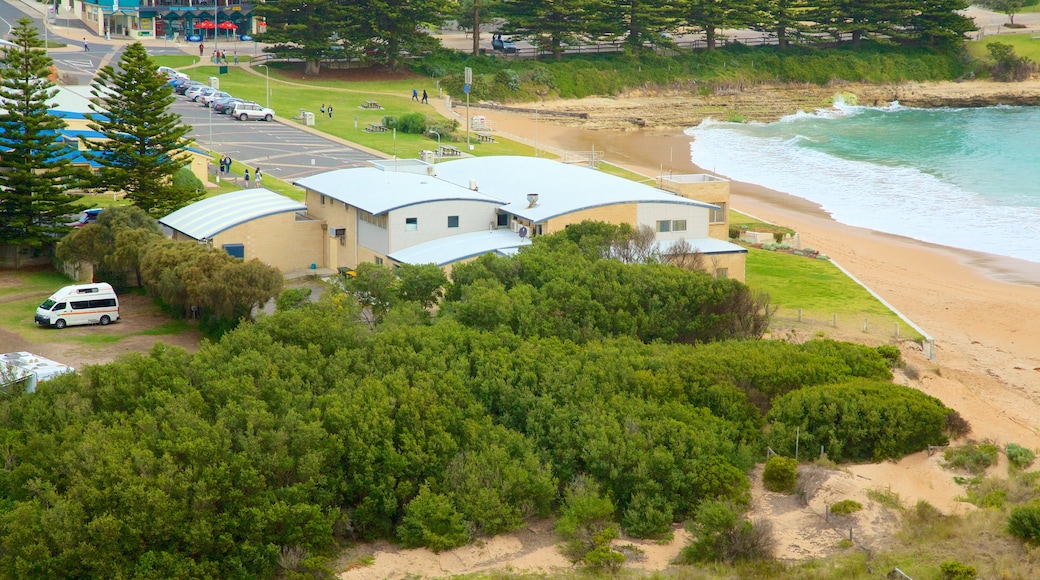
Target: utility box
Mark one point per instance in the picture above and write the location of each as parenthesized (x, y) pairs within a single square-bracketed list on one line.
[(426, 156), (308, 119), (214, 82), (222, 69)]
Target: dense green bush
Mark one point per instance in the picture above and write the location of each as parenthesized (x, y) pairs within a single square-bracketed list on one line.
[(856, 421), (430, 520), (954, 570), (292, 298), (1024, 522), (780, 474), (586, 526), (721, 534), (845, 507)]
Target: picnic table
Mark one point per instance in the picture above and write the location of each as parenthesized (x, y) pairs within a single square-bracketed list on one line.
[(448, 150), (376, 128), (485, 137), (371, 105)]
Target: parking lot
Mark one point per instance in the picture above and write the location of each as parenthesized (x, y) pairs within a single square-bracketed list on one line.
[(281, 149)]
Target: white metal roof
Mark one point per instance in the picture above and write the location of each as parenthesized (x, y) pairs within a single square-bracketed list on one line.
[(377, 191), (561, 188), (459, 247), (17, 366), (210, 216), (708, 246)]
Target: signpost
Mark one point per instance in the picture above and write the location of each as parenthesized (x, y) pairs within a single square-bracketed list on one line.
[(465, 89)]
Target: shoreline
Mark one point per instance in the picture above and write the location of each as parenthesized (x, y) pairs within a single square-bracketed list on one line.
[(979, 307)]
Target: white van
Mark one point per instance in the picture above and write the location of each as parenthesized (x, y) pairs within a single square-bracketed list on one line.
[(80, 304)]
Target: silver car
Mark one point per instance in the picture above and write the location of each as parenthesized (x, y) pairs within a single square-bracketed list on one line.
[(252, 111)]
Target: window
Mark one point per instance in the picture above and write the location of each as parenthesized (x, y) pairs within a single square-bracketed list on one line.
[(323, 200), (664, 226), (378, 261), (453, 221), (411, 224), (678, 225), (722, 273), (80, 305), (235, 250), (503, 220), (538, 229), (717, 216), (59, 307)]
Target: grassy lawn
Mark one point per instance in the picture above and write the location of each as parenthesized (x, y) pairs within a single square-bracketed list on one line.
[(349, 119), (1024, 45), (17, 315), (819, 289)]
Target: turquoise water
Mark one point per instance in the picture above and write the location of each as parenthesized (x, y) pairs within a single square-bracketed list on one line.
[(967, 178)]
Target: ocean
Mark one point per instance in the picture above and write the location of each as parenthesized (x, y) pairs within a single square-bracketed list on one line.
[(966, 178)]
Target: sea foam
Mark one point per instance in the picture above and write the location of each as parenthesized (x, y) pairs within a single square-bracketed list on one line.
[(892, 198)]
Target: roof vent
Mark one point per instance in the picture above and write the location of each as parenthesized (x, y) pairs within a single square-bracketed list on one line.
[(473, 184), (532, 199)]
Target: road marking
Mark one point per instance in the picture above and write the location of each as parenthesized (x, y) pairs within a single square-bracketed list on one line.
[(79, 63)]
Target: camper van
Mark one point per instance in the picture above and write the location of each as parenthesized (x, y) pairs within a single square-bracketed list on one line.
[(80, 304)]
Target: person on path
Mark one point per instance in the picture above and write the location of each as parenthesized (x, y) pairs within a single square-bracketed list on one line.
[(202, 49), (425, 97), (246, 177), (323, 109), (221, 164), (415, 95), (330, 111), (236, 58), (257, 175), (227, 163), (86, 46)]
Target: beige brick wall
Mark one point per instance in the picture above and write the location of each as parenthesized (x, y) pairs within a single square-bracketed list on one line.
[(614, 214), (734, 264), (278, 240), (714, 192)]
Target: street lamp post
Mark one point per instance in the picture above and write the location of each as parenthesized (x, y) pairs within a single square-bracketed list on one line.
[(267, 86), (438, 144)]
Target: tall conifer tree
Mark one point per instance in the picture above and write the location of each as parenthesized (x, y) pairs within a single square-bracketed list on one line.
[(144, 144), (34, 199)]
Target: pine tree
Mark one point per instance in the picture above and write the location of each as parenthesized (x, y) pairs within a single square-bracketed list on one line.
[(34, 198), (144, 144)]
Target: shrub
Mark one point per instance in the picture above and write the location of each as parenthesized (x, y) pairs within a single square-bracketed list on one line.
[(845, 507), (1019, 456), (861, 420), (956, 425), (509, 78), (720, 534), (185, 180), (822, 257), (412, 123), (585, 523), (431, 520), (292, 298), (1024, 522), (890, 353), (973, 457), (780, 474), (1008, 66), (954, 570), (885, 497)]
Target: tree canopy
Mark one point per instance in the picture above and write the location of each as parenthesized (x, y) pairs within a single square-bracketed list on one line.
[(35, 201), (143, 144)]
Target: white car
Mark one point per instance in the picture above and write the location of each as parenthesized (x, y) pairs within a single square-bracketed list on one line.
[(195, 93), (252, 111), (171, 73), (207, 100)]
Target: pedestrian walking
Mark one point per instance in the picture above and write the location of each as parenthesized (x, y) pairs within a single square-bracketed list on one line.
[(202, 49), (257, 175), (86, 47), (330, 111), (415, 95), (246, 177), (221, 160), (323, 109), (236, 58), (227, 163), (425, 97)]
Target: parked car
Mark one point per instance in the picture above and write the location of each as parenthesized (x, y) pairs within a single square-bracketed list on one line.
[(252, 112), (503, 44), (171, 73), (85, 217), (183, 87), (195, 93), (225, 105), (207, 100)]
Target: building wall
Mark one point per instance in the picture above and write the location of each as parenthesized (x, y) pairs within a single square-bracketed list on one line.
[(708, 189), (696, 219), (337, 253), (614, 214), (432, 219), (278, 240), (734, 264)]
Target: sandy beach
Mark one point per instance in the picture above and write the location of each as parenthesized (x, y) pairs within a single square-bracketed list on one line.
[(981, 309)]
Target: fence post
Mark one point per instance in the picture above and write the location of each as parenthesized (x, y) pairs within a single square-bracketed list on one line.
[(799, 315), (835, 320), (864, 325), (897, 330)]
